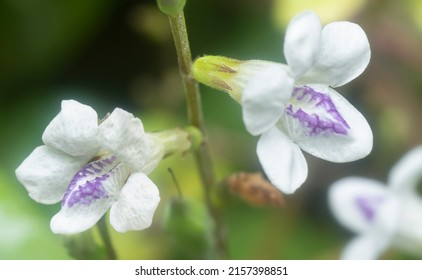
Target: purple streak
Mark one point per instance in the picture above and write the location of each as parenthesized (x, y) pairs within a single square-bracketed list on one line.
[(368, 205), (88, 184), (316, 111)]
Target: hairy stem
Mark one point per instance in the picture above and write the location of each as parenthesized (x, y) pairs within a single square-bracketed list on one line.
[(195, 116)]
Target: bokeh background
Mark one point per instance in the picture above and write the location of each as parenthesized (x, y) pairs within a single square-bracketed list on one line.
[(119, 53)]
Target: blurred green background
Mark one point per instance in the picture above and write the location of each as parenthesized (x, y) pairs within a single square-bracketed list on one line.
[(119, 53)]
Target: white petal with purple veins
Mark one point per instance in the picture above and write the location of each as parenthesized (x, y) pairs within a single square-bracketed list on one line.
[(355, 201), (91, 192), (372, 243), (326, 125)]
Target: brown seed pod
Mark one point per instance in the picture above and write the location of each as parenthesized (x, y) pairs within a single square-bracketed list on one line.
[(254, 189)]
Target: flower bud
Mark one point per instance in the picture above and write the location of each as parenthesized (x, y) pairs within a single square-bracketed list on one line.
[(227, 74), (82, 246), (171, 7), (189, 224)]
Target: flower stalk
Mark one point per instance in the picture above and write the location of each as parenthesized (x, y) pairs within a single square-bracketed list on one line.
[(195, 117), (102, 227)]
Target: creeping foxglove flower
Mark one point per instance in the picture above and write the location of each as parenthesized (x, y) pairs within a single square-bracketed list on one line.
[(381, 216), (91, 167), (293, 106)]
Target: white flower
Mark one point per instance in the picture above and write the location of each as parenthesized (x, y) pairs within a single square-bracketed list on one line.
[(382, 216), (294, 106), (92, 167)]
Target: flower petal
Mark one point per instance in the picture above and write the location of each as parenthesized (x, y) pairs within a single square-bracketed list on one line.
[(344, 55), (365, 247), (73, 130), (380, 235), (91, 192), (136, 205), (123, 135), (326, 125), (264, 98), (46, 173), (355, 201), (404, 176), (302, 42), (282, 160), (408, 236)]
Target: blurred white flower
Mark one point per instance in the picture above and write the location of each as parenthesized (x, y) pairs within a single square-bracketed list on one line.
[(92, 167), (382, 216), (294, 106)]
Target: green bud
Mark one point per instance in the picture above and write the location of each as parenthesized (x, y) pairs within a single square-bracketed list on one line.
[(171, 8), (82, 246), (217, 72), (189, 224), (227, 74)]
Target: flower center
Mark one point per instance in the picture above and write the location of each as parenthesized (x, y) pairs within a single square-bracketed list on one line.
[(368, 205), (89, 183), (316, 112)]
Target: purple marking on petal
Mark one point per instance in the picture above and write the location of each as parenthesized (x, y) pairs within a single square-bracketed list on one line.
[(323, 116), (87, 184), (368, 205)]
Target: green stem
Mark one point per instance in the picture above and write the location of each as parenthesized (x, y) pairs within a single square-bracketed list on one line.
[(178, 28), (195, 116), (102, 227)]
